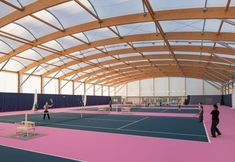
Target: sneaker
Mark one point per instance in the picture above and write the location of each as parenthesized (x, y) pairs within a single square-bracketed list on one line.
[(219, 134), (213, 136)]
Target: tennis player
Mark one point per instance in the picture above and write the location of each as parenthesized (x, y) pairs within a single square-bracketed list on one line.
[(46, 112), (215, 121), (201, 112)]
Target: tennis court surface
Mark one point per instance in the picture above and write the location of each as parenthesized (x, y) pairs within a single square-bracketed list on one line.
[(183, 128), (9, 154)]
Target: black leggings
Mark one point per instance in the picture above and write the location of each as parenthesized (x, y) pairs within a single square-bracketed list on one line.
[(214, 127), (46, 113)]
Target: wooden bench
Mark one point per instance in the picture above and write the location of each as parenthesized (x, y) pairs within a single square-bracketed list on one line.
[(25, 127)]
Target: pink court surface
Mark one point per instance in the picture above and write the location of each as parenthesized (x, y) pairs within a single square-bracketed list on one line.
[(107, 147)]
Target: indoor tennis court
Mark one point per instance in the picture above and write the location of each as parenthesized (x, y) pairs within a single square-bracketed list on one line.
[(117, 80)]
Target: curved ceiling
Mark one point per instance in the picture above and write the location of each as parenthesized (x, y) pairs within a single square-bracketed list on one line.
[(118, 41)]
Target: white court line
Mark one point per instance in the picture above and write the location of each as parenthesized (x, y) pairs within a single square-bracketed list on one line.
[(163, 111), (86, 118), (206, 132), (155, 132), (107, 120), (39, 152), (159, 132), (133, 122)]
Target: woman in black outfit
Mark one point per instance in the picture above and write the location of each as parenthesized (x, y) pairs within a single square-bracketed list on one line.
[(215, 121)]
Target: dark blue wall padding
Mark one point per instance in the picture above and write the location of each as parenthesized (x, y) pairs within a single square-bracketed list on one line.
[(204, 99), (24, 101), (97, 100), (15, 101), (227, 100)]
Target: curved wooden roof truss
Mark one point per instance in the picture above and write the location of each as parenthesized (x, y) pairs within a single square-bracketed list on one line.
[(113, 50)]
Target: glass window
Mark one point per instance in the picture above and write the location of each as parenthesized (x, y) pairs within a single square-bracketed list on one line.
[(66, 87), (9, 84), (191, 89), (89, 89), (161, 86), (210, 90), (177, 86), (133, 88), (51, 86), (98, 90), (79, 88), (31, 84), (105, 91), (146, 87)]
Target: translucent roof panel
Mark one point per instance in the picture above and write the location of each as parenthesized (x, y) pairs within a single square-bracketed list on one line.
[(148, 43), (188, 53), (13, 44), (17, 30), (89, 52), (18, 3), (229, 27), (82, 37), (54, 45), (226, 56), (155, 53), (60, 61), (77, 54), (98, 34), (171, 4), (139, 28), (37, 27), (5, 48), (182, 25), (71, 14), (82, 64), (117, 46), (12, 65), (57, 74), (212, 25), (127, 55), (112, 8), (24, 62), (48, 17), (68, 42), (40, 70), (217, 3), (105, 58), (30, 54), (5, 9), (42, 52), (192, 42)]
